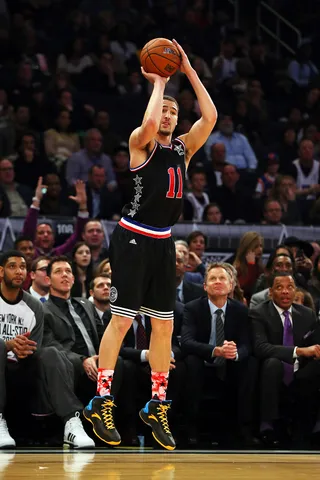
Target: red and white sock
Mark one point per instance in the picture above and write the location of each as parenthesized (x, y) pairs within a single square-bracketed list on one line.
[(104, 382), (159, 385)]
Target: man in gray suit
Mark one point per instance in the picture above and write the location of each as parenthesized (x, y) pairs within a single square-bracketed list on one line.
[(281, 263), (70, 324)]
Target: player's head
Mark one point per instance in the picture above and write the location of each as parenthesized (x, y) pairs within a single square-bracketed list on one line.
[(13, 269), (169, 117)]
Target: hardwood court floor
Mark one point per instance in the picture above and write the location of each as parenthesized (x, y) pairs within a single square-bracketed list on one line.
[(158, 466)]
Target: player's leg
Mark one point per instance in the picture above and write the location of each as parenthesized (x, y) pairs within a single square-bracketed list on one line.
[(159, 304), (125, 300)]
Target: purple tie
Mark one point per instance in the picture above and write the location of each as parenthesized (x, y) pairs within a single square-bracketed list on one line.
[(287, 342)]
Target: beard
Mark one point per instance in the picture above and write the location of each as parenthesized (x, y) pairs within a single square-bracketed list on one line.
[(103, 300), (12, 284), (164, 133)]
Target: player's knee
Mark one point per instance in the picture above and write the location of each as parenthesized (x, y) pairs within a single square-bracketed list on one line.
[(162, 327), (121, 324)]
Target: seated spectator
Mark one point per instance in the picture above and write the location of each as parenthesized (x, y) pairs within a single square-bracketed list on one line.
[(122, 171), (306, 171), (248, 261), (194, 277), (24, 244), (30, 164), (61, 142), (93, 236), (212, 214), (302, 252), (186, 291), (303, 297), (19, 196), (43, 234), (216, 339), (301, 69), (55, 200), (272, 213), (100, 293), (133, 84), (70, 326), (287, 149), (268, 178), (104, 267), (81, 115), (74, 59), (187, 106), (26, 366), (22, 119), (101, 202), (39, 109), (121, 46), (110, 140), (39, 288), (196, 200), (285, 366), (197, 243), (100, 78), (236, 292), (280, 263), (284, 191), (82, 270), (21, 89), (238, 150), (214, 168), (78, 165), (225, 65)]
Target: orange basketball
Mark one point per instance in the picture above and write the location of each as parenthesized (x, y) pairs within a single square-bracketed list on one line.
[(160, 56)]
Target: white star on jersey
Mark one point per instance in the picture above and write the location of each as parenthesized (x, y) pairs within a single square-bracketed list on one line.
[(179, 149)]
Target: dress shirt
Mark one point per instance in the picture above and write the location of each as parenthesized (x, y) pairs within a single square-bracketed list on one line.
[(99, 312), (36, 294), (180, 292), (213, 309), (280, 311), (238, 149), (80, 345)]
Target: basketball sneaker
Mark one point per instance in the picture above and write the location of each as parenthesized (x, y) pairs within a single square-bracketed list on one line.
[(6, 440), (99, 412), (74, 434), (155, 414)]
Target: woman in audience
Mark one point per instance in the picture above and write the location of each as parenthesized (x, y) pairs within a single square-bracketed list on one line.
[(212, 214), (304, 298), (236, 292), (82, 270), (248, 261), (197, 243), (60, 143), (103, 267)]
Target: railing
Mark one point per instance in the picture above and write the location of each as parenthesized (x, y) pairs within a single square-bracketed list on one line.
[(277, 34)]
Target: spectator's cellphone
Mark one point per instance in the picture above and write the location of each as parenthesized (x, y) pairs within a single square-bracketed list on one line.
[(44, 190)]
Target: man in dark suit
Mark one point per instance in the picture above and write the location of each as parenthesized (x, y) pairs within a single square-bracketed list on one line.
[(186, 291), (281, 335), (215, 337), (102, 203), (136, 384), (70, 326)]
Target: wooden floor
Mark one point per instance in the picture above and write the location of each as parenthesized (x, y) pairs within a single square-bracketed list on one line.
[(158, 466)]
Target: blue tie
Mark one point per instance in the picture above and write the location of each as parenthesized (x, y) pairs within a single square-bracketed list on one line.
[(43, 299)]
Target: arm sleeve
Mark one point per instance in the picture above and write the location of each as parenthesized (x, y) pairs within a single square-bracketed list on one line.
[(30, 223), (75, 237), (249, 154), (111, 178), (189, 344)]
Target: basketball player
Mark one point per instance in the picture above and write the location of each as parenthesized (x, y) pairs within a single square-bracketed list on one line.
[(142, 252)]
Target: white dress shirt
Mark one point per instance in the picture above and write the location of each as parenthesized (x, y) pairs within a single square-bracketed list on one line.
[(280, 311), (36, 294), (213, 310)]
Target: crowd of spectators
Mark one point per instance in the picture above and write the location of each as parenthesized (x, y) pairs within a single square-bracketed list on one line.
[(71, 91)]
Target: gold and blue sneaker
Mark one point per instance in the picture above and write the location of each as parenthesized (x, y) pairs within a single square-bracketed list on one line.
[(99, 412), (155, 414)]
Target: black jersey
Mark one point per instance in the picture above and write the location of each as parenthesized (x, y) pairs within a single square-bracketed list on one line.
[(158, 186)]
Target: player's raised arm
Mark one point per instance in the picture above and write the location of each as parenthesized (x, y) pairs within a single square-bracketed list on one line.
[(200, 131), (142, 135)]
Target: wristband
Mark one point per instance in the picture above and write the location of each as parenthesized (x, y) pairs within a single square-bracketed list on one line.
[(36, 199)]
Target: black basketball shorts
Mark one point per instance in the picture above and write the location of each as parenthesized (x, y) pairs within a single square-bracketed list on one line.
[(142, 260)]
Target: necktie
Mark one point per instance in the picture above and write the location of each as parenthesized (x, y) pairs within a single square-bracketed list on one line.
[(141, 336), (219, 336), (43, 299), (82, 328), (287, 342), (178, 294)]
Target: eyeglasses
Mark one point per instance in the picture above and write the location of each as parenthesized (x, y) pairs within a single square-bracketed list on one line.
[(42, 269)]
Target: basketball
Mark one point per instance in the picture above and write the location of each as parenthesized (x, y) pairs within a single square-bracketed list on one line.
[(160, 56)]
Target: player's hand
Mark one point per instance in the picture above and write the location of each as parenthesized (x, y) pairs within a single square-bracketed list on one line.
[(81, 196), (22, 346), (172, 364), (40, 188), (153, 77), (90, 367), (185, 66)]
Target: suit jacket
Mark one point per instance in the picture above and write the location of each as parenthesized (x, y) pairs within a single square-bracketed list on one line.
[(191, 291), (267, 329), (110, 202), (259, 297), (196, 328), (58, 331)]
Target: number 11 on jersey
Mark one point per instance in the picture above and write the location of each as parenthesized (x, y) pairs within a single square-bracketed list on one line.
[(172, 191)]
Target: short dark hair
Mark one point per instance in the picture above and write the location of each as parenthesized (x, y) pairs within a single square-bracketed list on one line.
[(100, 275), (58, 258), (195, 234), (275, 275), (100, 167), (22, 238), (8, 254), (36, 261), (171, 99), (197, 171)]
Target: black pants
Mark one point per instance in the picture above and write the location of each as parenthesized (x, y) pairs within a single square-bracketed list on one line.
[(303, 389), (136, 389), (42, 382), (236, 389)]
